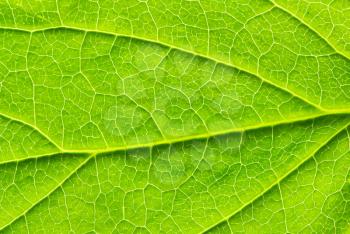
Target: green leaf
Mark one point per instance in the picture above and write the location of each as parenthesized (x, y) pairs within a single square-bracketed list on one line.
[(174, 116)]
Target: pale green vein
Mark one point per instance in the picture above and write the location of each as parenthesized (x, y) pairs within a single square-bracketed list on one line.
[(197, 54), (279, 180), (37, 156), (160, 142), (319, 34)]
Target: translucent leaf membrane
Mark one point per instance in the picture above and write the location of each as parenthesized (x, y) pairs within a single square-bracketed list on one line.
[(174, 116)]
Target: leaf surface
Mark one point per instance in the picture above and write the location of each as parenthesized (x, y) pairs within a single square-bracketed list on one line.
[(174, 116)]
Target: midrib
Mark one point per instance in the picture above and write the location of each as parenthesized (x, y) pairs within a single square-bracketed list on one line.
[(61, 149)]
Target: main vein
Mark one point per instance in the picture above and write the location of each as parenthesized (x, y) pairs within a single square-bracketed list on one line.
[(206, 135)]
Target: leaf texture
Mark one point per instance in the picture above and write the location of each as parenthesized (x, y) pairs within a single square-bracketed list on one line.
[(174, 116)]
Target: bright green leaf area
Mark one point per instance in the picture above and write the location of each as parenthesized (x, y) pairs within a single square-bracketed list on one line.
[(168, 116)]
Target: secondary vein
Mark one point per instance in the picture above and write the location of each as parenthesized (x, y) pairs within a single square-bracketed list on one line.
[(319, 34), (172, 46), (279, 180), (49, 192)]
